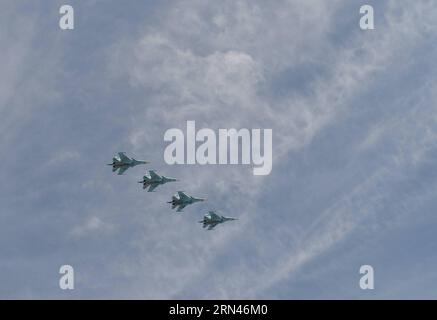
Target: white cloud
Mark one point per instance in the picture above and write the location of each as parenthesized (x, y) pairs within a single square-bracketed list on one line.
[(240, 49), (63, 156), (220, 64), (92, 226)]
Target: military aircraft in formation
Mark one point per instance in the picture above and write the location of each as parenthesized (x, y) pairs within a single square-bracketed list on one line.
[(121, 162), (153, 180), (211, 219), (181, 200)]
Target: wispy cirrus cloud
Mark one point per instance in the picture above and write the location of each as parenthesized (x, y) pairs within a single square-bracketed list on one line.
[(353, 117)]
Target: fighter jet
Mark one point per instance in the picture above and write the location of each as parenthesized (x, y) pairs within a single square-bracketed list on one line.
[(123, 162), (181, 200), (153, 180), (211, 219)]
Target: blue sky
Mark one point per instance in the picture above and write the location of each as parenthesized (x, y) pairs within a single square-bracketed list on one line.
[(354, 124)]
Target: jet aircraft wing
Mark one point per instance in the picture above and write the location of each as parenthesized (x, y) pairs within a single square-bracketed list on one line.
[(213, 215), (123, 157), (181, 207), (212, 225), (122, 170), (152, 187), (183, 196), (153, 175)]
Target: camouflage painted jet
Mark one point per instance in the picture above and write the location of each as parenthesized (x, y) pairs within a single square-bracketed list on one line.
[(153, 180), (181, 200), (211, 219), (123, 162)]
